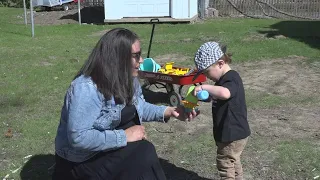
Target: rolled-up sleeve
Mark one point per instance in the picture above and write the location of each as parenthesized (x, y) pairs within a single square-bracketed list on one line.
[(84, 108)]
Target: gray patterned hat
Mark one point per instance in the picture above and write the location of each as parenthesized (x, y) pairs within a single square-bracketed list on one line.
[(208, 54)]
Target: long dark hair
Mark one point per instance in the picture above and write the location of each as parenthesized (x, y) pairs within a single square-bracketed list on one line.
[(110, 65)]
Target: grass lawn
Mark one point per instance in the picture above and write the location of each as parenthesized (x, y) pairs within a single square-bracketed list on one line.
[(35, 73)]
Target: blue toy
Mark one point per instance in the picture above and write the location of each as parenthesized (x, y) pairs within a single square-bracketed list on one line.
[(149, 65)]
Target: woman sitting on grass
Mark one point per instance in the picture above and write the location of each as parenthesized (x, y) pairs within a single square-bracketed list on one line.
[(100, 135)]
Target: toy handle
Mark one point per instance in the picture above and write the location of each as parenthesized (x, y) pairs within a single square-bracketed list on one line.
[(202, 95), (152, 21)]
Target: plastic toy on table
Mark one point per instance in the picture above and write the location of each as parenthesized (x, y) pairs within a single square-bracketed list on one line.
[(191, 102)]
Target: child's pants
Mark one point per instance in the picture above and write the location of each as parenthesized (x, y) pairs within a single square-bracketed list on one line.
[(228, 159)]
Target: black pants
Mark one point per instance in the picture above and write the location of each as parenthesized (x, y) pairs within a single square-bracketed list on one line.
[(137, 161)]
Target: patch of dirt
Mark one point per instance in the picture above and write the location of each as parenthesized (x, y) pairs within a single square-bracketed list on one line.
[(100, 33), (172, 57), (209, 38), (45, 63), (293, 122), (201, 38), (288, 77), (55, 17), (254, 37), (259, 37)]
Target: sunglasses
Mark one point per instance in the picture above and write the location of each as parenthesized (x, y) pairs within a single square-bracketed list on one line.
[(136, 55)]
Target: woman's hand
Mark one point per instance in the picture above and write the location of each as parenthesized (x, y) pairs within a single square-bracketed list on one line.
[(179, 113), (135, 133)]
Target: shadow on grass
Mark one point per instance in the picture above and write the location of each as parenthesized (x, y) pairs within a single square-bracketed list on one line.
[(38, 167), (176, 173), (307, 32), (41, 167), (155, 97), (89, 15)]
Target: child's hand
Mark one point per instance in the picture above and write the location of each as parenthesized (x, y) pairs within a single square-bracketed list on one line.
[(196, 90)]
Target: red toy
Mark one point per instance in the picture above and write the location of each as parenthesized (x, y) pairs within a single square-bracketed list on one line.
[(168, 81)]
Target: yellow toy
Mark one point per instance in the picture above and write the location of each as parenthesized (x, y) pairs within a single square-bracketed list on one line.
[(169, 69), (169, 65), (190, 101)]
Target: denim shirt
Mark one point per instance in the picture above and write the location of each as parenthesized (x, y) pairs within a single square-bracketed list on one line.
[(88, 121)]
